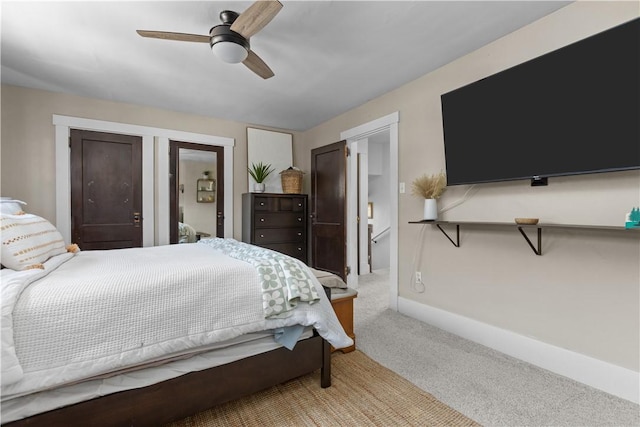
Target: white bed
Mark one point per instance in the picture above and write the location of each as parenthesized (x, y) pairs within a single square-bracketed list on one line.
[(95, 323)]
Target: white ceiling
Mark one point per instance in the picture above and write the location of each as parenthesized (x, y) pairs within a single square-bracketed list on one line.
[(328, 56)]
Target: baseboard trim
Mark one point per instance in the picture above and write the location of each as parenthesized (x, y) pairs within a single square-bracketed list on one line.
[(610, 378)]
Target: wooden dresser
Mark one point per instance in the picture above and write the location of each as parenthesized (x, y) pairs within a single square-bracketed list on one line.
[(276, 221)]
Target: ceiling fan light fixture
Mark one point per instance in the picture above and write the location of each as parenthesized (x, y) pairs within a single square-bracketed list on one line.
[(228, 45), (230, 52)]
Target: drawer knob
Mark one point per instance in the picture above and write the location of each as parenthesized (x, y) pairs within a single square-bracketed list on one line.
[(261, 203), (262, 235), (299, 249), (299, 219), (261, 219), (299, 234)]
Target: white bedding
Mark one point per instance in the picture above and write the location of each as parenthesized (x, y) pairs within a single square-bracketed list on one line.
[(90, 313), (186, 233)]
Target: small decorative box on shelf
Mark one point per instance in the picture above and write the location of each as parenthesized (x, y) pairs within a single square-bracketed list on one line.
[(633, 219)]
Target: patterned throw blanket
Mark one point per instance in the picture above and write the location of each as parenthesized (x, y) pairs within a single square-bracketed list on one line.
[(285, 280)]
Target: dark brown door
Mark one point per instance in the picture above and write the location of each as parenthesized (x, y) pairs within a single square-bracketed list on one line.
[(174, 186), (328, 208), (106, 190)]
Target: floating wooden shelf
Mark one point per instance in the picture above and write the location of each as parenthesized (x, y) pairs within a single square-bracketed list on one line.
[(537, 249)]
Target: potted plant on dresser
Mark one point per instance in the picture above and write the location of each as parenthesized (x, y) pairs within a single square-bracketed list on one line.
[(259, 172)]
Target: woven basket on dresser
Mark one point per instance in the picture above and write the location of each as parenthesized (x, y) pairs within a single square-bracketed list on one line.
[(291, 181)]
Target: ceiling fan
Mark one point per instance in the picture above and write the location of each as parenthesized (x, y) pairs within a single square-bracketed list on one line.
[(230, 40)]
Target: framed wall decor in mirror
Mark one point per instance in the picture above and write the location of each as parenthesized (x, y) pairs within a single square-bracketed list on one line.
[(270, 148)]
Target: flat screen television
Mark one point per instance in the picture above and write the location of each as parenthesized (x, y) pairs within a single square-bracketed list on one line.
[(571, 111)]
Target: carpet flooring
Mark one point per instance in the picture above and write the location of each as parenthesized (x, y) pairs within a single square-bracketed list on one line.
[(363, 393), (488, 386)]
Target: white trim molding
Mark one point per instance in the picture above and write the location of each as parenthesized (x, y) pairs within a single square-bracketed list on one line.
[(610, 378), (374, 126), (155, 170), (352, 136)]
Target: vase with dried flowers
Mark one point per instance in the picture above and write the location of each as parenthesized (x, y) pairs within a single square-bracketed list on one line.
[(430, 188)]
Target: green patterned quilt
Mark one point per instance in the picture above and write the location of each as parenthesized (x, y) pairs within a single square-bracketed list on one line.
[(285, 280)]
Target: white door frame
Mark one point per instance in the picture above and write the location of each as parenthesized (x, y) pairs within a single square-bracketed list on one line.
[(362, 157), (357, 232), (353, 136), (155, 173)]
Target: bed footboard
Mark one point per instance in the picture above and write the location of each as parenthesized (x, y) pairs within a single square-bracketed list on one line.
[(188, 394)]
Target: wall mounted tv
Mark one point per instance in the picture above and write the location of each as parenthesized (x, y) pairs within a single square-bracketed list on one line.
[(571, 111)]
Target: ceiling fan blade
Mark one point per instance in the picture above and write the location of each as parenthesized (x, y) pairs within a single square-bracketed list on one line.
[(256, 17), (257, 65), (182, 37)]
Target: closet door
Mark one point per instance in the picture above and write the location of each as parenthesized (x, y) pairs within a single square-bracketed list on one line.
[(106, 190)]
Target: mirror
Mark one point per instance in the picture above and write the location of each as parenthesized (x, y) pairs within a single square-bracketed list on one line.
[(197, 201)]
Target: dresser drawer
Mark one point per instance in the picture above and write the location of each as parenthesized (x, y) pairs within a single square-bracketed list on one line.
[(293, 204), (291, 249), (284, 219), (261, 203), (280, 204), (274, 235)]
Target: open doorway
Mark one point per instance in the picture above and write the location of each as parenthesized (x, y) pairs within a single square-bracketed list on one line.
[(377, 239), (360, 140)]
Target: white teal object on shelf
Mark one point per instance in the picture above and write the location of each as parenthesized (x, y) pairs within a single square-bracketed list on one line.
[(632, 219)]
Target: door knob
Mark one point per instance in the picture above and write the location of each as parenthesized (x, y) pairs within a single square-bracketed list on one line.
[(136, 219)]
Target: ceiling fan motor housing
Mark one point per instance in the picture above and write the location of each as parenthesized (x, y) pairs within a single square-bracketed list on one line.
[(222, 33), (228, 16)]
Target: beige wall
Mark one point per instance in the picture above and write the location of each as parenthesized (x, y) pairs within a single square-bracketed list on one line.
[(583, 293), (27, 150)]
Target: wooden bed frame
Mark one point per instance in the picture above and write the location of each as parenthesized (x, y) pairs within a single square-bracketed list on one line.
[(194, 392)]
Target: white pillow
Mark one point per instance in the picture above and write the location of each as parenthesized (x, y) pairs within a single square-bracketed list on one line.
[(10, 206), (327, 279), (28, 240)]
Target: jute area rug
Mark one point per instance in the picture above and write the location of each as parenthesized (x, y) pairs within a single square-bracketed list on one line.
[(363, 393)]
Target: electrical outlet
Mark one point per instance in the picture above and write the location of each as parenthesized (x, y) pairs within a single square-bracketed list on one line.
[(418, 277), (402, 187)]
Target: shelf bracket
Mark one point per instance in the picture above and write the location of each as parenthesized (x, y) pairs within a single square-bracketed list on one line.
[(457, 242), (538, 250)]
